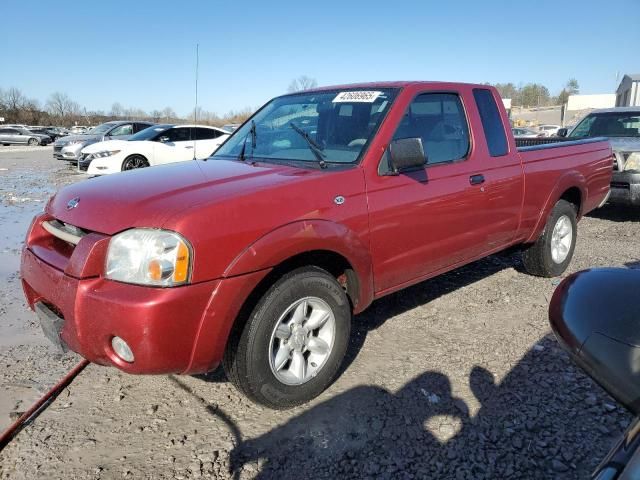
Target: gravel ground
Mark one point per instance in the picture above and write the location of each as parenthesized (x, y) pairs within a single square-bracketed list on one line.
[(457, 377)]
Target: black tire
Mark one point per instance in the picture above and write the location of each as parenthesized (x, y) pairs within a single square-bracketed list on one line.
[(5, 144), (538, 258), (247, 357), (33, 142), (134, 161)]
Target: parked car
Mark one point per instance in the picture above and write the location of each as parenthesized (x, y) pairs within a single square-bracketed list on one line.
[(621, 126), (231, 127), (520, 132), (79, 129), (51, 132), (20, 135), (69, 148), (155, 145), (549, 130), (319, 204), (594, 316)]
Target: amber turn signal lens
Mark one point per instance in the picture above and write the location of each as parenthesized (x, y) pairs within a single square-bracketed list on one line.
[(181, 270)]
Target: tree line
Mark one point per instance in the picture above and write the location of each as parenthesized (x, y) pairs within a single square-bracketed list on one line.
[(61, 110), (535, 94)]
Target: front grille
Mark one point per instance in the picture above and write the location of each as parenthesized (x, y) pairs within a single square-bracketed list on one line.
[(57, 148), (64, 231)]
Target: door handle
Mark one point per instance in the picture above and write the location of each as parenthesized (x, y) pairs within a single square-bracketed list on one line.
[(476, 179), (189, 146)]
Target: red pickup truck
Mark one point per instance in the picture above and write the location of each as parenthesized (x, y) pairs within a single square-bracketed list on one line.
[(322, 202)]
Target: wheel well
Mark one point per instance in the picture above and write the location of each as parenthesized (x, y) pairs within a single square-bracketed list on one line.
[(334, 263), (573, 196)]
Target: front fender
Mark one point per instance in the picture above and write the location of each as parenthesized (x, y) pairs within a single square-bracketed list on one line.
[(570, 179), (303, 236)]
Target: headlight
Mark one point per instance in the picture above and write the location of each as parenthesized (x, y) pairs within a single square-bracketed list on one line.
[(149, 257), (104, 154), (633, 162), (74, 142)]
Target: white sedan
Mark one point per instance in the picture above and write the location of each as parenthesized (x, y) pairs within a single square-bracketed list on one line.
[(155, 145)]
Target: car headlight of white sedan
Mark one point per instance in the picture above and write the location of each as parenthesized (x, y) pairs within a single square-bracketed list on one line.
[(145, 256), (103, 154), (633, 162)]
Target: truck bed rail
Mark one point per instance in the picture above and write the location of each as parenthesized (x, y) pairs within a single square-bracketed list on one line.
[(538, 143)]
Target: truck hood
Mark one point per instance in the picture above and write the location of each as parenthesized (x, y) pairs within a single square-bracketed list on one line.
[(625, 144), (148, 197)]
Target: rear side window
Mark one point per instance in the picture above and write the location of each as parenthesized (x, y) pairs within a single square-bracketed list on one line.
[(207, 133), (491, 122), (438, 119)]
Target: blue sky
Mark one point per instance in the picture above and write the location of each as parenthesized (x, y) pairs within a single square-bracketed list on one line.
[(142, 53)]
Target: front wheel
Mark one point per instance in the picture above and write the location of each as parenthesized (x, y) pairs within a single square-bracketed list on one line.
[(33, 142), (134, 161), (294, 341), (551, 254)]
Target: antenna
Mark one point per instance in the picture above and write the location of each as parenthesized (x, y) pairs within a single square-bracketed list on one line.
[(195, 110)]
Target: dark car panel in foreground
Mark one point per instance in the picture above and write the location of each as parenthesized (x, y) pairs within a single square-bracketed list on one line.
[(597, 320)]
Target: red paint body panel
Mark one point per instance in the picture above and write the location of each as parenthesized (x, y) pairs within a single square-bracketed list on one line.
[(242, 219)]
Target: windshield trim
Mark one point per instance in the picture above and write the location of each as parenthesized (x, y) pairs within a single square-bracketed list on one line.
[(365, 148)]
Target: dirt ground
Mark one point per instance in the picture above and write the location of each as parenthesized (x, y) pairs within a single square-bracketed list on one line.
[(457, 377)]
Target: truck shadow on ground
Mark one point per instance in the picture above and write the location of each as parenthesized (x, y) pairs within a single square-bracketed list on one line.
[(616, 213), (545, 419), (397, 303)]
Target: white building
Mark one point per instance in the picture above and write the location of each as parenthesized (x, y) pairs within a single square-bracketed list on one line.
[(628, 94), (590, 102)]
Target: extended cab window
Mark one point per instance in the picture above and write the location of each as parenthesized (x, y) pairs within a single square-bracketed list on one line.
[(438, 119), (491, 122)]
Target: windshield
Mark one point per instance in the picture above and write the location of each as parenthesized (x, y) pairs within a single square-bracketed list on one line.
[(100, 129), (610, 124), (332, 126), (149, 133)]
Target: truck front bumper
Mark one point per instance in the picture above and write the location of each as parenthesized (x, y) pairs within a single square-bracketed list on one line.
[(625, 188), (169, 330)]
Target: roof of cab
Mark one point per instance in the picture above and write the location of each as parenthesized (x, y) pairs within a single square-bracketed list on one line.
[(389, 84)]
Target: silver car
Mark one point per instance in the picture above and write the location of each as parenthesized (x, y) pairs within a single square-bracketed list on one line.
[(68, 148), (20, 135)]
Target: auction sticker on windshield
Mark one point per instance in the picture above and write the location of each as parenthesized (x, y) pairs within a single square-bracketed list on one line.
[(363, 96)]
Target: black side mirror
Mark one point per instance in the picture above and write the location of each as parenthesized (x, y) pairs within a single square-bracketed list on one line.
[(562, 132), (163, 139), (596, 318), (406, 154)]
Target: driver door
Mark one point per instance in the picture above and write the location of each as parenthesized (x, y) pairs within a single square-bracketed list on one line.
[(174, 145), (427, 220)]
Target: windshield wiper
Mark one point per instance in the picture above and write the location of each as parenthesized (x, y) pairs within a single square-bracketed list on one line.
[(313, 145), (253, 134)]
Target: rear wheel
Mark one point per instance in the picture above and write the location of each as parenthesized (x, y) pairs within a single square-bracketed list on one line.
[(294, 341), (33, 142), (134, 161), (551, 254)]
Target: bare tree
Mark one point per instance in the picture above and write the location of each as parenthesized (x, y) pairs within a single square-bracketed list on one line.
[(116, 110), (168, 114), (302, 83), (14, 99), (60, 105)]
